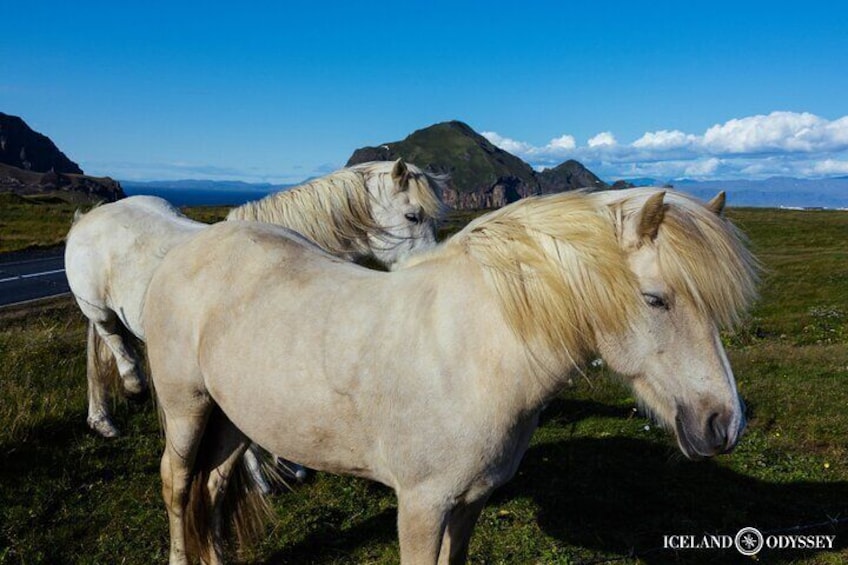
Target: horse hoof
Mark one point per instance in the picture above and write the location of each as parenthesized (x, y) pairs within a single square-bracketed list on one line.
[(104, 427), (290, 470)]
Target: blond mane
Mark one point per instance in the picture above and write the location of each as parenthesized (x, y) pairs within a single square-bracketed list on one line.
[(702, 255), (334, 211), (545, 257), (561, 274)]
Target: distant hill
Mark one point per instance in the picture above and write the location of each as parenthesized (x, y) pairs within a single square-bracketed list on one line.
[(31, 164), (68, 187), (481, 174), (774, 192), (568, 176)]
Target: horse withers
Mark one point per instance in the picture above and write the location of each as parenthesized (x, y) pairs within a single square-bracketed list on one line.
[(430, 379)]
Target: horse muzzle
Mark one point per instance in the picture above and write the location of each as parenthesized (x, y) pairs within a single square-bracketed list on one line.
[(708, 433)]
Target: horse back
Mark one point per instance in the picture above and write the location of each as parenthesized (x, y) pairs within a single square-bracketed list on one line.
[(113, 250)]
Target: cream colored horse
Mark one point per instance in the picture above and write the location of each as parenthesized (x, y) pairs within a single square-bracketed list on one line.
[(430, 379), (383, 210)]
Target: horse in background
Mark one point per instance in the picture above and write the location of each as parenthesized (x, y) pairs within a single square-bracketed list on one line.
[(430, 379), (383, 210)]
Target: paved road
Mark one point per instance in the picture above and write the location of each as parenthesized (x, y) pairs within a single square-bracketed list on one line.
[(23, 279)]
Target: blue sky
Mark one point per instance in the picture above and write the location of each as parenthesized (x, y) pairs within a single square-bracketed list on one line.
[(281, 91)]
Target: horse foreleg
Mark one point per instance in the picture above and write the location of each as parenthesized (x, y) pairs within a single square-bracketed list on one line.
[(182, 439), (458, 532), (421, 525)]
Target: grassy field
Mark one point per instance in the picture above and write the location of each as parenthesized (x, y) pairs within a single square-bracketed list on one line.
[(599, 483), (29, 221)]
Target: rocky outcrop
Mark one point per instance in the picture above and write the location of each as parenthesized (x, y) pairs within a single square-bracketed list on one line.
[(69, 187), (569, 176)]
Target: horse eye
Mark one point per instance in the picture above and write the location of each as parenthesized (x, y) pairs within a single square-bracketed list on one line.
[(655, 301), (412, 217)]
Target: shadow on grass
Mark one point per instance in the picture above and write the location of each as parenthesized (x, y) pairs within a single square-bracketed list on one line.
[(622, 495), (330, 543)]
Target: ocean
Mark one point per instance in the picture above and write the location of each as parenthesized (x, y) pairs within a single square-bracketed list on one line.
[(197, 196)]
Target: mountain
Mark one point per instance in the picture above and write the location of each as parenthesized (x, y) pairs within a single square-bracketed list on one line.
[(26, 149), (568, 176), (31, 164), (481, 174)]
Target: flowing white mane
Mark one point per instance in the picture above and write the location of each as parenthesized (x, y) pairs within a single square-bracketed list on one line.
[(546, 257), (335, 211)]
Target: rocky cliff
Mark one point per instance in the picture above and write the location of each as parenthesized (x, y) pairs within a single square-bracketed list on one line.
[(481, 174), (31, 164)]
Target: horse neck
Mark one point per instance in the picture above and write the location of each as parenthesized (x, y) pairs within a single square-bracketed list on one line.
[(524, 376), (336, 234)]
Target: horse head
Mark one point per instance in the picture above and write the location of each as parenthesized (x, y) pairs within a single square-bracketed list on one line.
[(405, 207), (694, 276)]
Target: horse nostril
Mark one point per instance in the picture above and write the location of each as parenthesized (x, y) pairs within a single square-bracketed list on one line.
[(717, 430)]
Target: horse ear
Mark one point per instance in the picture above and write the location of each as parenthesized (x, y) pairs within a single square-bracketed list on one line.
[(716, 205), (399, 172), (652, 216)]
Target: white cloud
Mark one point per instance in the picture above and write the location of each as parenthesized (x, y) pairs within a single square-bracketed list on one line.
[(702, 167), (777, 132), (780, 143), (665, 139), (603, 139), (562, 142), (507, 144), (831, 167)]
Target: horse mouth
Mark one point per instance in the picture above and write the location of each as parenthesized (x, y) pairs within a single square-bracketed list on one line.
[(688, 444), (691, 444)]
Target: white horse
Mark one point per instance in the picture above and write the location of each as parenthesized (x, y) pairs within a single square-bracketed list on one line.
[(382, 210), (430, 379)]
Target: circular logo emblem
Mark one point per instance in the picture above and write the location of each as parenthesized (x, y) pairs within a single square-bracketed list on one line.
[(748, 541)]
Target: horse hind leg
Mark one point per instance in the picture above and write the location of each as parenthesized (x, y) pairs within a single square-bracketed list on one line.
[(127, 358), (460, 526), (100, 372)]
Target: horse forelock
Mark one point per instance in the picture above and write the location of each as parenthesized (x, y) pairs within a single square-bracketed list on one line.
[(558, 271), (703, 256)]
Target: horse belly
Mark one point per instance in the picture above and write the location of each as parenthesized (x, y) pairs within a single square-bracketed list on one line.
[(292, 416)]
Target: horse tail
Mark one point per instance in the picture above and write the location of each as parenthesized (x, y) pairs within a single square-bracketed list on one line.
[(78, 213), (245, 509)]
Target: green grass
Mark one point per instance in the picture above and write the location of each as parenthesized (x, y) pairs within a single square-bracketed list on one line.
[(27, 222), (599, 481), (43, 221)]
